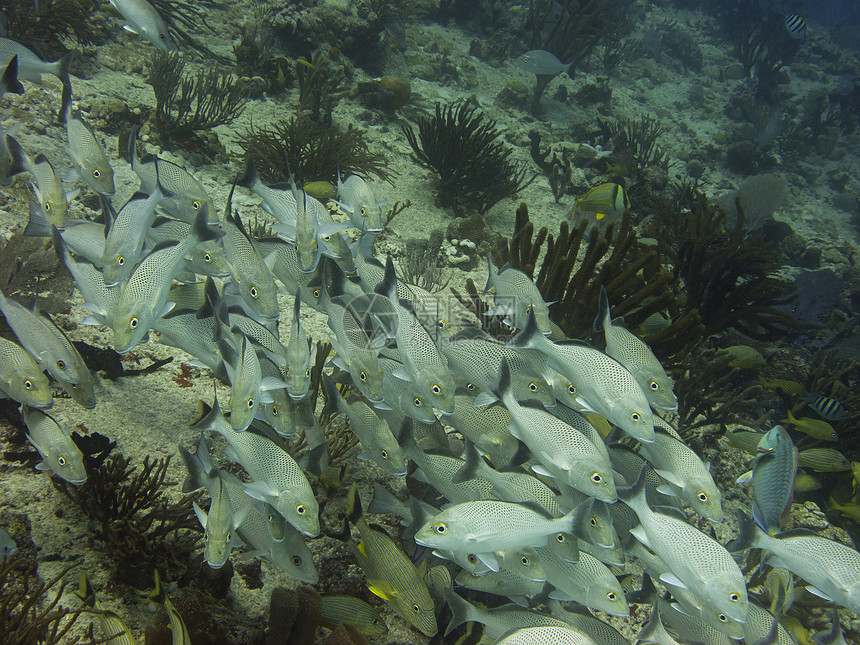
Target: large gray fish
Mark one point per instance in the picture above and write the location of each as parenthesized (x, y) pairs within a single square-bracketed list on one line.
[(21, 378), (52, 201), (125, 235), (586, 581), (280, 204), (629, 350), (278, 479), (59, 453), (358, 201), (502, 583), (248, 387), (142, 19), (773, 477), (685, 473), (541, 63), (515, 297), (88, 157), (602, 382), (831, 569), (300, 355), (376, 438), (486, 427), (389, 572), (221, 522), (696, 561), (144, 296), (206, 258), (422, 363), (499, 620), (43, 339), (249, 271), (563, 451), (31, 67)]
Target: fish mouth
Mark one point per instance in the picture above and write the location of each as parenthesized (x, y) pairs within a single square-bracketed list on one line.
[(76, 482)]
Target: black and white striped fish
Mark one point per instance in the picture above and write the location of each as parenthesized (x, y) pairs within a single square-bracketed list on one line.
[(827, 407), (796, 25)]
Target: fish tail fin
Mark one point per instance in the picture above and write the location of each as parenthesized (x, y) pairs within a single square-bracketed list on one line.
[(503, 385), (603, 318), (461, 611), (202, 230), (250, 177), (384, 501), (20, 160), (636, 492), (37, 224), (210, 418), (748, 531), (353, 505), (157, 594), (85, 591), (647, 594), (331, 395), (59, 244), (63, 66), (491, 271), (10, 77), (530, 336), (469, 470), (388, 286)]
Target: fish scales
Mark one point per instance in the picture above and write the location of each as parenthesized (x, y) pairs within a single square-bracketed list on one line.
[(21, 377), (587, 581), (774, 474), (545, 635)]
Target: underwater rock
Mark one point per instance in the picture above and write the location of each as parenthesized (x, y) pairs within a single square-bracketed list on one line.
[(385, 93), (473, 228)]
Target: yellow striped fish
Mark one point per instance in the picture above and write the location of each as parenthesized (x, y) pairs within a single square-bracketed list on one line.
[(176, 625), (603, 200), (352, 611), (390, 573), (114, 631)]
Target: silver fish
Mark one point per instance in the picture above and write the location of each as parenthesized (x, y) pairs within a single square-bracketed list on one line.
[(249, 271), (300, 356), (403, 396), (501, 583), (21, 378), (685, 473), (602, 382), (142, 19), (278, 479), (541, 63), (545, 635), (248, 387), (144, 296), (31, 67), (831, 569), (60, 454), (587, 581), (88, 156), (125, 235), (486, 427), (696, 561), (280, 204), (515, 297), (358, 201), (499, 620), (629, 350), (206, 258), (52, 201)]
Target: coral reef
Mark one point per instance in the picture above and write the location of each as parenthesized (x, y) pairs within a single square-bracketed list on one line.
[(634, 147), (421, 262), (312, 149), (49, 22), (187, 104), (141, 528), (462, 147), (321, 85)]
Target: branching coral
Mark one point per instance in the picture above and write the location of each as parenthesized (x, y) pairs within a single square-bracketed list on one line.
[(634, 145), (30, 609), (49, 22), (463, 148), (321, 86), (312, 149), (143, 529), (421, 262), (187, 104)]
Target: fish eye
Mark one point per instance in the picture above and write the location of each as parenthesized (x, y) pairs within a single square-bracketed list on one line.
[(47, 207), (525, 560), (470, 387), (416, 608), (162, 36), (655, 386), (441, 528), (326, 238), (96, 173), (526, 57), (61, 460), (703, 496), (61, 365), (635, 416), (442, 323), (228, 536), (297, 561), (597, 478), (363, 211), (250, 403), (723, 618), (206, 536), (276, 410), (594, 521), (253, 292), (611, 596), (471, 558), (300, 509), (571, 389), (307, 371), (533, 386), (362, 375), (28, 384), (436, 389), (207, 257), (375, 621), (560, 538), (528, 308), (120, 260), (196, 203), (132, 322), (384, 454), (417, 402), (734, 597)]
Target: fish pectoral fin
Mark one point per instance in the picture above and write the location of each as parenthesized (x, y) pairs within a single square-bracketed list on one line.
[(383, 589), (260, 491), (746, 478), (131, 29), (670, 477), (202, 517), (484, 398), (667, 490), (402, 373), (272, 383), (490, 560), (560, 596), (639, 533), (671, 579), (586, 407), (817, 592), (541, 470), (43, 465)]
